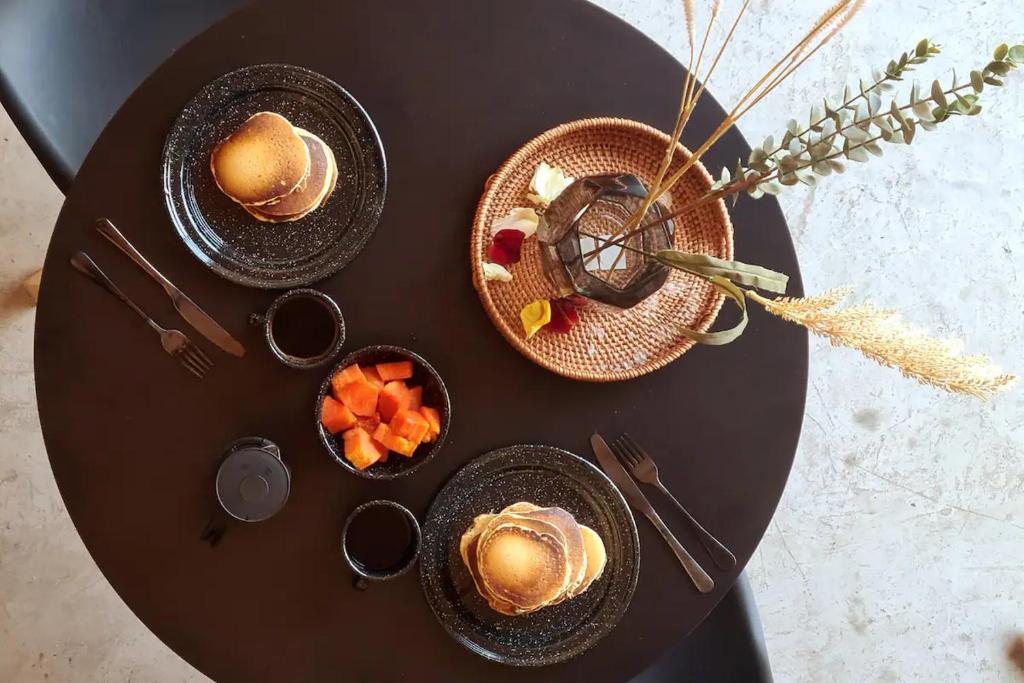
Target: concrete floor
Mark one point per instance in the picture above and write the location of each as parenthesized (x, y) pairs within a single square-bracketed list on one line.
[(897, 553)]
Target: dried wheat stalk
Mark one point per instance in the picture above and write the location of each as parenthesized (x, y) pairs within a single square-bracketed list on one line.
[(885, 338)]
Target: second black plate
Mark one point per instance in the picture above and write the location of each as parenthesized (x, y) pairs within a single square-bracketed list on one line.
[(233, 243), (548, 477)]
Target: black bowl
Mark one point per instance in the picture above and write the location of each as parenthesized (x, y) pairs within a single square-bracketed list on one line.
[(435, 395)]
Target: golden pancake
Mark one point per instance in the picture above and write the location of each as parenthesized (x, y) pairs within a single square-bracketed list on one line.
[(323, 175), (264, 160), (526, 557), (597, 558), (523, 562), (575, 551)]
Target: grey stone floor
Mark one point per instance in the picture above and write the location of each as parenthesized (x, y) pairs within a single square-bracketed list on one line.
[(897, 553)]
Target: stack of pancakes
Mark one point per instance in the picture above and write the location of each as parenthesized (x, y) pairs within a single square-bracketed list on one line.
[(527, 557), (277, 172)]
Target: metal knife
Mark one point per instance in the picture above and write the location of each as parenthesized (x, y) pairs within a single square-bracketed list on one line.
[(187, 308), (620, 477)]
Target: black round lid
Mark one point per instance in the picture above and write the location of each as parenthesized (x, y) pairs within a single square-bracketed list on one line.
[(252, 484)]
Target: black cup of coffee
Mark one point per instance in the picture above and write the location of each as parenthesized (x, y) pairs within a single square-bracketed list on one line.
[(304, 328), (380, 541)]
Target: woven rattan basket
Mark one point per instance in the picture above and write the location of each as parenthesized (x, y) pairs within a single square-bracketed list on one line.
[(608, 344)]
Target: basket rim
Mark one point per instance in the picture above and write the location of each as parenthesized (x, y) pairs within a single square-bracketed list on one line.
[(481, 231)]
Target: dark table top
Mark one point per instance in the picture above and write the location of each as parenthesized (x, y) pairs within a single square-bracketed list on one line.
[(454, 86)]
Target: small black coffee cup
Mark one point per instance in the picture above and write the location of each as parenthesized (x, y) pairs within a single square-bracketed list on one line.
[(380, 541), (304, 328)]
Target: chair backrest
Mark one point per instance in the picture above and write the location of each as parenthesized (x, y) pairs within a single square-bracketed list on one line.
[(727, 647), (67, 65)]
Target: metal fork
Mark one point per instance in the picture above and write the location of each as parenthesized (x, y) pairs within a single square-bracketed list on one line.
[(174, 342), (634, 458)]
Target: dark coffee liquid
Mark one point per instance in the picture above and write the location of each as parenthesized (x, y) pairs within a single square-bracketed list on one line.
[(379, 539), (303, 327)]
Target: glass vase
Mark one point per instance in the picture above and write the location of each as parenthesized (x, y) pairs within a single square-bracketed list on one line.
[(583, 218)]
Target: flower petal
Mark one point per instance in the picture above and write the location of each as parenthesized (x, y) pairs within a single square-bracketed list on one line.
[(493, 271), (524, 220), (535, 316), (506, 247), (548, 182)]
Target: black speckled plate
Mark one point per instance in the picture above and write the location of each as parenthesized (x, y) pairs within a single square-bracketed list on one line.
[(546, 476), (233, 243)]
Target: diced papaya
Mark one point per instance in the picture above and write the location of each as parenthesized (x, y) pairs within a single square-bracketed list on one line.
[(374, 377), (398, 370), (409, 424), (433, 418), (360, 397), (392, 442), (361, 450), (335, 416), (393, 397), (368, 423), (415, 398), (345, 376)]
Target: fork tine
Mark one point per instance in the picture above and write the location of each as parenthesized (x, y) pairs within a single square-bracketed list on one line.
[(622, 450), (193, 353), (635, 447), (202, 355), (619, 454), (190, 364), (635, 454)]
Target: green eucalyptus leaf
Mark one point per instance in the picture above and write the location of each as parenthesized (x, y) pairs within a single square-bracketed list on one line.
[(908, 131), (771, 187), (977, 81), (927, 125), (923, 110), (874, 148), (897, 114), (836, 165), (1017, 53), (768, 144), (1001, 51), (974, 110), (922, 48), (887, 135), (998, 68), (991, 80), (822, 168), (793, 127), (938, 96), (788, 179)]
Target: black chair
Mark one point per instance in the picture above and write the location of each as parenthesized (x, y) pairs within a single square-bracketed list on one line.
[(67, 65), (65, 68), (728, 647)]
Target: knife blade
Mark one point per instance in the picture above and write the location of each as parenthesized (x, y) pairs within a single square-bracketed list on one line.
[(632, 493), (187, 309)]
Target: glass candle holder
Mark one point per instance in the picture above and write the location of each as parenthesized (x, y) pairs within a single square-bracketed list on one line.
[(581, 220)]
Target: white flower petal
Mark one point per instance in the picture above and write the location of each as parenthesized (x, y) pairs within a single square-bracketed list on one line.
[(523, 220), (548, 182), (492, 271)]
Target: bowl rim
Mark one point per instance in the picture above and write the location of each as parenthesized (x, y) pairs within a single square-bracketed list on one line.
[(417, 461)]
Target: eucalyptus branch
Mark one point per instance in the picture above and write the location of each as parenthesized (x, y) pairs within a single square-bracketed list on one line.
[(852, 130)]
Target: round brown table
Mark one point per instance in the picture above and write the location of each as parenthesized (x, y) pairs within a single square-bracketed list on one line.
[(454, 87)]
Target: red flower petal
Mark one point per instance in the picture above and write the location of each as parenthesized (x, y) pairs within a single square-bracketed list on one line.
[(506, 247), (563, 315)]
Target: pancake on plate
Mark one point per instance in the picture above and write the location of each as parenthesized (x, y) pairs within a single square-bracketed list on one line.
[(525, 557), (264, 160), (323, 175)]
